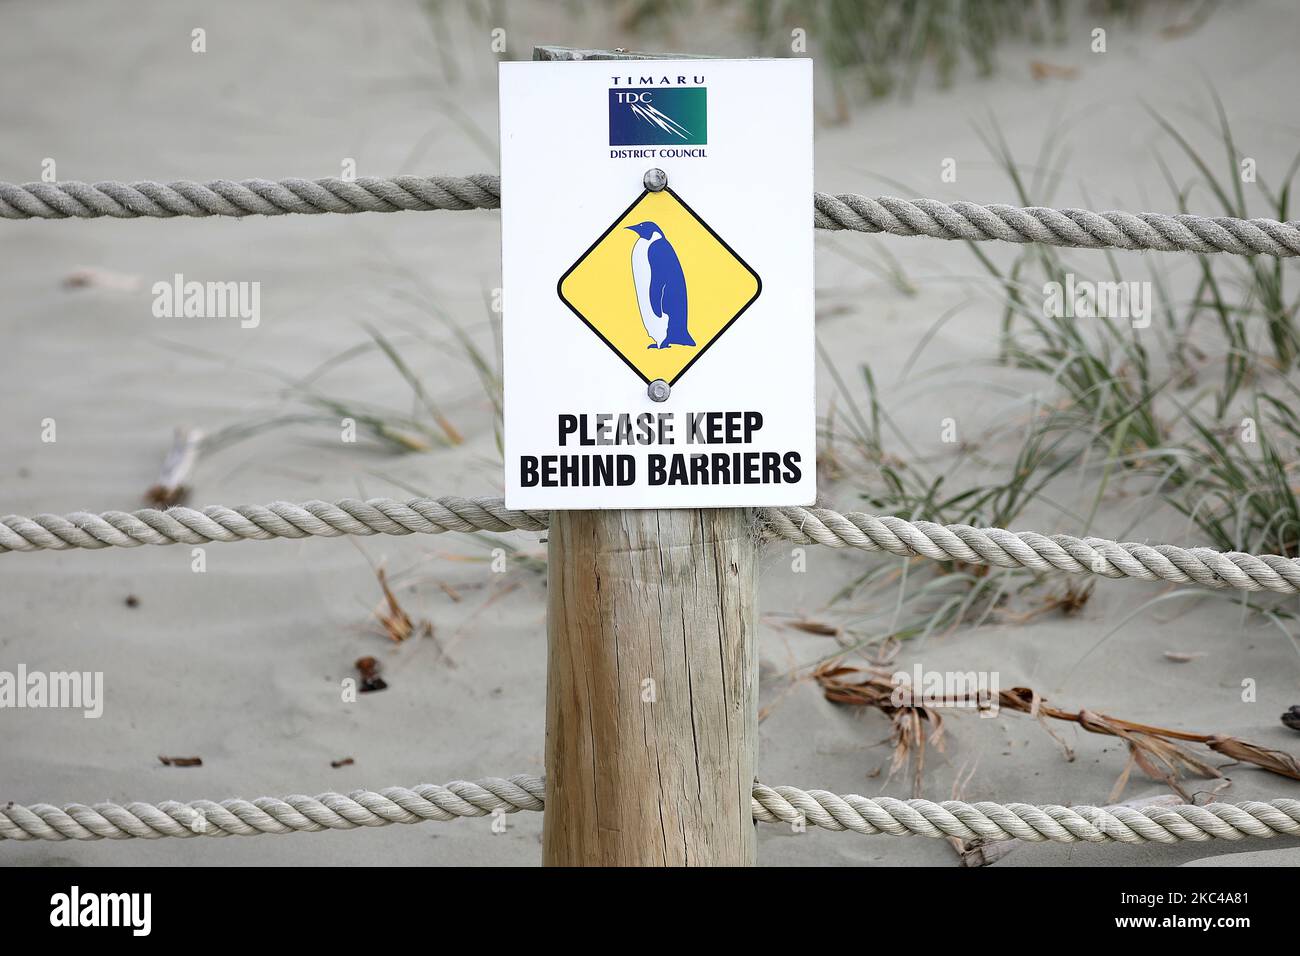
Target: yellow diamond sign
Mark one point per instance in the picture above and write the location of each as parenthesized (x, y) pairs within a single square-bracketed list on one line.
[(659, 286)]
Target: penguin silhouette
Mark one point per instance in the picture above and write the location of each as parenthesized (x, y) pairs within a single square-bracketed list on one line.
[(660, 287)]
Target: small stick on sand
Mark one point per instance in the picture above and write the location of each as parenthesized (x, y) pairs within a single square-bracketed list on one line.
[(181, 761), (170, 488)]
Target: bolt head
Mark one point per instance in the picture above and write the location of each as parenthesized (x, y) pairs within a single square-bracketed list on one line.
[(655, 180), (659, 390)]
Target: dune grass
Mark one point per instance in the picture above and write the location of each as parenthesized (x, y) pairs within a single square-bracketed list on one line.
[(1193, 415), (889, 47)]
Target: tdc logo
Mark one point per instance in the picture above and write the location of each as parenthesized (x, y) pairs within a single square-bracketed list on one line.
[(658, 117)]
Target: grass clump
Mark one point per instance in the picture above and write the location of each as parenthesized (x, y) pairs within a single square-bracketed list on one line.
[(1191, 412)]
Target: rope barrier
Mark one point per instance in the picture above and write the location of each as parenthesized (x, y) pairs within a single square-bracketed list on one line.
[(328, 811), (1073, 228), (983, 546), (1037, 552), (254, 522), (1021, 821), (368, 808), (249, 197)]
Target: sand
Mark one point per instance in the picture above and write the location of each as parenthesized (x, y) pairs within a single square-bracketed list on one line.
[(242, 664)]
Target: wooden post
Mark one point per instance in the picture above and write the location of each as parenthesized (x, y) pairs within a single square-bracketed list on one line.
[(651, 689), (652, 681)]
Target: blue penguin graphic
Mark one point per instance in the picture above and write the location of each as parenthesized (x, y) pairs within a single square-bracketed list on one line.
[(660, 287)]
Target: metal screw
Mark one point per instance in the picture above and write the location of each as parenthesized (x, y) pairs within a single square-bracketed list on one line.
[(659, 390), (656, 180)]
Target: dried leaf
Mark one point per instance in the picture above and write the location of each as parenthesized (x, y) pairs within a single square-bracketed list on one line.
[(1278, 761), (1159, 751), (370, 679), (160, 497), (1122, 781), (1041, 70), (394, 620), (815, 627), (909, 737), (1183, 657), (93, 277), (181, 761), (170, 489)]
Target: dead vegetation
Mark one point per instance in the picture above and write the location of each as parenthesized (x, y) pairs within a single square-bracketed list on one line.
[(1160, 752), (181, 761), (394, 622), (368, 668), (171, 489), (914, 729)]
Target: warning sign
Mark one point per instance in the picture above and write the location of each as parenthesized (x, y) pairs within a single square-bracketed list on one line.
[(657, 265), (659, 286)]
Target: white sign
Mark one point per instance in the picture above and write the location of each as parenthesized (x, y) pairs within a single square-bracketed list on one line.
[(658, 336)]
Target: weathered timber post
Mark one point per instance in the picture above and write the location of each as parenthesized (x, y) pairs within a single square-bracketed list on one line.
[(651, 689), (652, 682)]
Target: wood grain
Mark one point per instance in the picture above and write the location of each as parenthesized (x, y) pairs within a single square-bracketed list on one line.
[(651, 714)]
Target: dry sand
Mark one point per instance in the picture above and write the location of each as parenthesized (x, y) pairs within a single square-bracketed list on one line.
[(241, 665)]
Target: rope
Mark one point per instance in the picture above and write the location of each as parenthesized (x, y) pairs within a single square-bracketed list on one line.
[(983, 546), (368, 808), (1037, 552), (277, 520), (248, 197), (1075, 228), (1021, 821), (329, 811)]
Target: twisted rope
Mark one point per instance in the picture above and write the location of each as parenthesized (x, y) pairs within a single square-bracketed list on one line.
[(368, 808), (328, 811), (249, 197), (277, 520), (1076, 228), (1021, 821), (991, 546), (1037, 552)]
